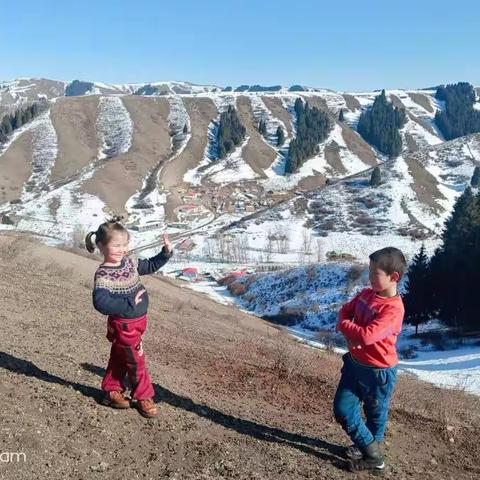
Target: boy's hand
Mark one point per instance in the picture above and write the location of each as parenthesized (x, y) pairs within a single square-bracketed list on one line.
[(138, 295), (354, 345), (340, 319), (167, 244)]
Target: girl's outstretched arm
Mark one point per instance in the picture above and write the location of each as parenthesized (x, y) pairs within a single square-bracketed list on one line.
[(151, 265)]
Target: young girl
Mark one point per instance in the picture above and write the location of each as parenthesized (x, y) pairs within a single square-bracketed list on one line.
[(119, 294)]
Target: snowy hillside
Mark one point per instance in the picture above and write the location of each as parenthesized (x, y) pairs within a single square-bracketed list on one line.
[(307, 299), (149, 151)]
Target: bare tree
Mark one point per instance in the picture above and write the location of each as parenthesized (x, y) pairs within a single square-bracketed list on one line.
[(320, 251), (282, 239), (269, 246), (238, 249), (306, 242), (78, 237), (209, 249)]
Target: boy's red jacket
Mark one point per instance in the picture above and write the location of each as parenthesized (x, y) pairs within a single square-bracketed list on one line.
[(371, 324)]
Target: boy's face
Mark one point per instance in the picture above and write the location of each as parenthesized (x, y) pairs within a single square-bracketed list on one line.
[(116, 248), (380, 280)]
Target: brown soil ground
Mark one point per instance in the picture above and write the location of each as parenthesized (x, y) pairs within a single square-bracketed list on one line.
[(201, 111), (421, 100), (315, 101), (352, 103), (309, 183), (275, 106), (411, 143), (174, 200), (121, 177), (16, 167), (238, 398), (256, 153), (396, 101), (425, 184), (74, 119), (358, 146), (332, 155)]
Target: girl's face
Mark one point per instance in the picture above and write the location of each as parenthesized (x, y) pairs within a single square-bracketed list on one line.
[(116, 248)]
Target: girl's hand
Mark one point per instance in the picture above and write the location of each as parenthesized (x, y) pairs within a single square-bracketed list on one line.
[(138, 295), (167, 244)]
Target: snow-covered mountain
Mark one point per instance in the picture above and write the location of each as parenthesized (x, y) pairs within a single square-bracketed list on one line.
[(145, 150)]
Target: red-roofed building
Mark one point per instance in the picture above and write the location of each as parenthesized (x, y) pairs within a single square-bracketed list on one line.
[(190, 273)]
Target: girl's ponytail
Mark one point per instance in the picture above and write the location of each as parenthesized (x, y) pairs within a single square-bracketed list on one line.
[(89, 244)]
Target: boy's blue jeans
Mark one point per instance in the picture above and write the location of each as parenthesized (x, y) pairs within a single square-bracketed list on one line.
[(372, 386)]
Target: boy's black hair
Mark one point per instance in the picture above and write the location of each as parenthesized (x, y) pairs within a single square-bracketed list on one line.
[(389, 259)]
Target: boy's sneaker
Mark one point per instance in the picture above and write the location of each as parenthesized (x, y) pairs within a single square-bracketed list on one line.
[(147, 408), (372, 460), (115, 399), (353, 452)]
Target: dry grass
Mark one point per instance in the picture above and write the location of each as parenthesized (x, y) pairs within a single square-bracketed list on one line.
[(451, 414), (425, 184), (14, 247), (422, 100)]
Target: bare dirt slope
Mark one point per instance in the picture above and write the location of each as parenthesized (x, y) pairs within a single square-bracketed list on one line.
[(275, 105), (74, 120), (201, 112), (238, 399), (16, 167), (121, 177), (422, 100), (425, 184), (352, 103), (358, 146), (256, 153), (332, 155)]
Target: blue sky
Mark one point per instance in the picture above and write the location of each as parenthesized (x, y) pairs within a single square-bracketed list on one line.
[(343, 45)]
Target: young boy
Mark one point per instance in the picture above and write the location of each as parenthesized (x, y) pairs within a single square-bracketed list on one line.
[(370, 323)]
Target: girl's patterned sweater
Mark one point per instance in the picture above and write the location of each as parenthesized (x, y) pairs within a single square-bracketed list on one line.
[(115, 287)]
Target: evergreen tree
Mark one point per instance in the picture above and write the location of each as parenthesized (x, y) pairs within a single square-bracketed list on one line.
[(416, 298), (230, 132), (18, 119), (340, 116), (313, 126), (376, 177), (459, 117), (380, 124), (280, 136), (262, 127), (78, 87), (6, 125), (454, 266), (9, 123), (475, 181), (27, 115)]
